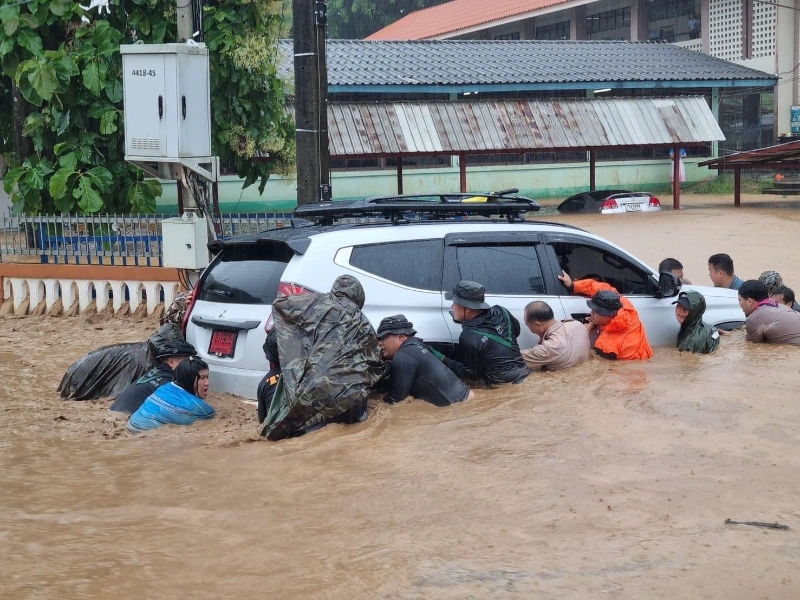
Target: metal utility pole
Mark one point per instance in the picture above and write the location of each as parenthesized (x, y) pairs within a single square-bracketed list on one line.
[(311, 101)]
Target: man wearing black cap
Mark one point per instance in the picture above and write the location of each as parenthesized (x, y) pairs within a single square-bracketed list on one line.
[(414, 370), (488, 347), (171, 355), (621, 334)]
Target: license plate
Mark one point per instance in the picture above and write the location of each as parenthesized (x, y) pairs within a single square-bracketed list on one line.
[(223, 343), (633, 207)]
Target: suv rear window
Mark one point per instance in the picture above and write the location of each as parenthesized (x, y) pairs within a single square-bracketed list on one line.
[(416, 264), (246, 274)]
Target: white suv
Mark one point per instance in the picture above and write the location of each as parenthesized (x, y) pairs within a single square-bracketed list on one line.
[(406, 267)]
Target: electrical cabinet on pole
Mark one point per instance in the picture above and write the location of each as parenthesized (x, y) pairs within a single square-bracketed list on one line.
[(311, 101)]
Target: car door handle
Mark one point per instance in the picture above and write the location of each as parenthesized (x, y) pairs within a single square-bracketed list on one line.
[(224, 325)]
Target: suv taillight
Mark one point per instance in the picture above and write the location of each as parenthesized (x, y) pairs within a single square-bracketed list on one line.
[(654, 202), (286, 288), (269, 324), (609, 204), (191, 298)]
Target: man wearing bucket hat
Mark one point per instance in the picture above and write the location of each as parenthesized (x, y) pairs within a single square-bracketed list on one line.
[(169, 357), (415, 371), (488, 347), (621, 334)]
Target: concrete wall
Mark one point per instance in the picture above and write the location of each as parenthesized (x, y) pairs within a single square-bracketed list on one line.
[(536, 181)]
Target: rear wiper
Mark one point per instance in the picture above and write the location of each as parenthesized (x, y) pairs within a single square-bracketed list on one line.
[(220, 293)]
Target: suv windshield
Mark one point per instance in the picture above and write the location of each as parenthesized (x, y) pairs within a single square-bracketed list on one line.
[(246, 274)]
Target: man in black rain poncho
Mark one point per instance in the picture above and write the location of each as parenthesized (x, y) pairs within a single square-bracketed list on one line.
[(488, 347), (694, 335), (329, 360)]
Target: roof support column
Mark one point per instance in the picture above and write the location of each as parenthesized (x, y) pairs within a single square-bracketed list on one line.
[(399, 173), (462, 168), (577, 25), (715, 112), (676, 178), (640, 20), (737, 187), (592, 169)]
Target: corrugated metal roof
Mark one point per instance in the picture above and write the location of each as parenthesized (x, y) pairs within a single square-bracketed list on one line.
[(543, 64), (783, 156), (392, 128), (455, 16)]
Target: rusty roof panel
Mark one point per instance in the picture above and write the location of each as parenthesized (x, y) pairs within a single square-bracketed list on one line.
[(385, 129)]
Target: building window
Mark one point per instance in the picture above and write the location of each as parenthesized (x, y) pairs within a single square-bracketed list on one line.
[(674, 20), (608, 20), (508, 36), (554, 31), (747, 119)]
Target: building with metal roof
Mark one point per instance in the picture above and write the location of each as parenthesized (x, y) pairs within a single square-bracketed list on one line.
[(763, 35), (458, 67)]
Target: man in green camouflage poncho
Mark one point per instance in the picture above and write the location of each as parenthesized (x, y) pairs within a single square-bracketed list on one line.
[(329, 357)]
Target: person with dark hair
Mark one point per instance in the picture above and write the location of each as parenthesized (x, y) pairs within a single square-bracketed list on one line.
[(767, 321), (621, 333), (562, 344), (785, 295), (694, 335), (674, 266), (488, 347), (266, 388), (415, 369), (720, 270), (192, 376), (170, 357)]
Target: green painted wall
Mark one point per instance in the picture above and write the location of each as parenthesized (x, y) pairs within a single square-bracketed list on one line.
[(535, 181)]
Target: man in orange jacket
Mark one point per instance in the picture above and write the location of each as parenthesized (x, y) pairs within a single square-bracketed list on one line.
[(621, 333)]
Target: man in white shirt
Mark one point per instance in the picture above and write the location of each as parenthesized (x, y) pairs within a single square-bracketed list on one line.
[(562, 344)]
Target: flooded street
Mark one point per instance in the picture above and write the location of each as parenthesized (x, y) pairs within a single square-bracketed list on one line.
[(605, 481)]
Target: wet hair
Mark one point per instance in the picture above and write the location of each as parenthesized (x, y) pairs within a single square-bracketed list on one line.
[(187, 372), (786, 293), (668, 265), (753, 289), (538, 311), (721, 262)]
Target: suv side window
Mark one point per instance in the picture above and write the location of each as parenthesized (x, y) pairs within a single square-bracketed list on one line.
[(416, 264), (582, 261), (507, 269)]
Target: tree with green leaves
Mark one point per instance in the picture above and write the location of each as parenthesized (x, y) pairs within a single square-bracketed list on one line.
[(356, 19), (61, 81)]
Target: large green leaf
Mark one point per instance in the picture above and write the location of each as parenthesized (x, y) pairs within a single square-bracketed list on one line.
[(12, 177), (59, 182), (142, 196), (30, 20), (88, 198), (60, 120), (100, 178), (65, 69), (10, 22), (36, 176), (30, 40), (108, 122), (65, 203), (68, 161), (60, 7), (91, 77), (114, 89), (37, 80)]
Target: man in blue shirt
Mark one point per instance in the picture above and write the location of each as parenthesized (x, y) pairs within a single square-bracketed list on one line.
[(720, 270)]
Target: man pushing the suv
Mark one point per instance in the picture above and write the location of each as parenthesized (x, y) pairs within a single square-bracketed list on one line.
[(488, 347)]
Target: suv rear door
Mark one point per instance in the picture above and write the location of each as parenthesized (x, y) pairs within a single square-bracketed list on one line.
[(509, 266), (401, 277), (234, 300)]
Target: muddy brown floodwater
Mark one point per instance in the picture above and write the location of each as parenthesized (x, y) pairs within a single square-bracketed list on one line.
[(607, 481)]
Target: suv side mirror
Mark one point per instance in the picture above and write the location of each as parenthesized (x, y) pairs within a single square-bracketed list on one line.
[(668, 285)]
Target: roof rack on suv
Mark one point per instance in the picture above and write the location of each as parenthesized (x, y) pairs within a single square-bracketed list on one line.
[(406, 208)]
